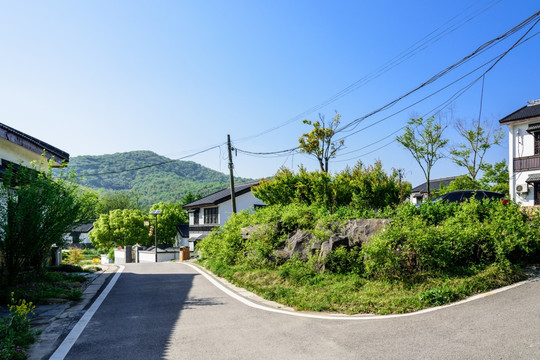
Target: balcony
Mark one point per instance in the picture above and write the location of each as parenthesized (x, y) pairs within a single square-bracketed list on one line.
[(527, 163), (202, 228)]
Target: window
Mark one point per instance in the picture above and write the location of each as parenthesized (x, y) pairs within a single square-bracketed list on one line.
[(537, 193), (211, 216), (196, 217), (536, 143)]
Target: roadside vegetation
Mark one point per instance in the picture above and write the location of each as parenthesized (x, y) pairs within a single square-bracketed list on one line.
[(427, 256)]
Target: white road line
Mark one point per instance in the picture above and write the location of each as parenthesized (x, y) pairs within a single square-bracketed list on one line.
[(345, 317), (74, 334)]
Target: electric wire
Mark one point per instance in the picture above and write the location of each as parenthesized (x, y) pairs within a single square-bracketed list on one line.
[(404, 55), (482, 48)]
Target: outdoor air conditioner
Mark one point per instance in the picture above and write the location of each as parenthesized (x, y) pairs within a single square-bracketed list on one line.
[(522, 188)]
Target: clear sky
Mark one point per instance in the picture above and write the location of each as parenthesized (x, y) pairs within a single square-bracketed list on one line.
[(175, 77)]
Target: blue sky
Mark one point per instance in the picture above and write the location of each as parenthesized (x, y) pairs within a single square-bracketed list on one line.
[(175, 77)]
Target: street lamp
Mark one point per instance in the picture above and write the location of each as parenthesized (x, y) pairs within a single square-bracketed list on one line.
[(156, 213)]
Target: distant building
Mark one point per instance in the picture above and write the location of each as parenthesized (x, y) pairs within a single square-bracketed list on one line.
[(419, 194), (524, 153), (215, 209)]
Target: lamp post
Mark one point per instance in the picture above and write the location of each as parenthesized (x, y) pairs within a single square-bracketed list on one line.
[(156, 213)]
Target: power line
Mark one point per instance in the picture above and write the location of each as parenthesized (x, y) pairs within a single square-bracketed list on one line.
[(404, 55), (447, 70)]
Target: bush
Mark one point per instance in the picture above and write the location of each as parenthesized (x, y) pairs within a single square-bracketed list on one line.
[(450, 238), (15, 332), (75, 256)]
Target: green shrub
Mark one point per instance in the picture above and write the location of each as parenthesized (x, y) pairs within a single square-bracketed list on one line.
[(15, 332), (343, 260), (451, 238), (69, 268), (75, 256)]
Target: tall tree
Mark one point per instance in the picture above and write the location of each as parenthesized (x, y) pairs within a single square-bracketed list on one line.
[(478, 139), (424, 139), (35, 216), (119, 227), (318, 142), (171, 215)]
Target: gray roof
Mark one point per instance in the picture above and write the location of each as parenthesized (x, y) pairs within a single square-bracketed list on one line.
[(525, 113), (434, 184), (183, 229), (84, 228), (221, 195), (533, 178), (31, 143)]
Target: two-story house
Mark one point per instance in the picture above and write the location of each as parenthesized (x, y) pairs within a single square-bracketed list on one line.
[(215, 209), (524, 153)]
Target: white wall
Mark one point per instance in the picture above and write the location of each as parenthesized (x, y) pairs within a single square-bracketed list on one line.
[(243, 202), (150, 256), (18, 154), (520, 144)]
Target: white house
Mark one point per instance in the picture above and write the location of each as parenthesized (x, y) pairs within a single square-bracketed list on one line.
[(215, 209), (524, 153), (19, 149)]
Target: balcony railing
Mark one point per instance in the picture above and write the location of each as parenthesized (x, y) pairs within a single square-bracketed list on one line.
[(527, 163), (202, 228)]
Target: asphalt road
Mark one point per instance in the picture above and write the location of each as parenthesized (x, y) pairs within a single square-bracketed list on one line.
[(169, 311)]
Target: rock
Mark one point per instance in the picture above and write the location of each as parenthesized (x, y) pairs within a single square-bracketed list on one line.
[(299, 243), (360, 231)]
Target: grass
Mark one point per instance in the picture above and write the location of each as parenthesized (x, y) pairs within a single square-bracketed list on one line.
[(308, 290), (56, 283)]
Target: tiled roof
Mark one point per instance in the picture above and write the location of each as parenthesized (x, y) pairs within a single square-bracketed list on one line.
[(434, 184), (183, 229), (84, 228), (526, 112), (221, 195), (40, 145)]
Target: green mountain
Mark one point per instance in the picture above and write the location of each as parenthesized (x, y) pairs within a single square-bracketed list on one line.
[(137, 171)]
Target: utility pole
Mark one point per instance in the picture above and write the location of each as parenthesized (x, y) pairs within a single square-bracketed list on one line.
[(231, 167)]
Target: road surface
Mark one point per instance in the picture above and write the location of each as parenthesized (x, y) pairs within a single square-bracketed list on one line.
[(170, 311)]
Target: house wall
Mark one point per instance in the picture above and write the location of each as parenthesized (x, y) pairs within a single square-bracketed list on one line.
[(520, 144), (19, 155), (243, 202)]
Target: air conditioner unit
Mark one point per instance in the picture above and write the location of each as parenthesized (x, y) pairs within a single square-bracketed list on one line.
[(522, 188)]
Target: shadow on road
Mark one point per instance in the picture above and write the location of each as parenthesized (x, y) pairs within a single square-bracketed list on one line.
[(138, 316)]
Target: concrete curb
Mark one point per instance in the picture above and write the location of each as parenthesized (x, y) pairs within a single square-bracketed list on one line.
[(255, 301), (59, 321)]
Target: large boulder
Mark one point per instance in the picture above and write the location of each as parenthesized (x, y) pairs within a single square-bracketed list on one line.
[(301, 243), (360, 231)]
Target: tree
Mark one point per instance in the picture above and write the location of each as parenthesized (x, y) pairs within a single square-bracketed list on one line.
[(495, 177), (478, 140), (424, 139), (113, 200), (119, 228), (318, 142), (189, 197), (172, 215), (35, 216)]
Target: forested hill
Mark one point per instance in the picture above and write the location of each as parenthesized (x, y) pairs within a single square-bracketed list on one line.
[(168, 182)]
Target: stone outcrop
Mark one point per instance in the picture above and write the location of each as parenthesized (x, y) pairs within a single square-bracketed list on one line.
[(303, 243)]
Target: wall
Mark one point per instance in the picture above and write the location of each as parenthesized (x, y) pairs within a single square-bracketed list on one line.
[(243, 202), (150, 256), (18, 155), (520, 144)]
